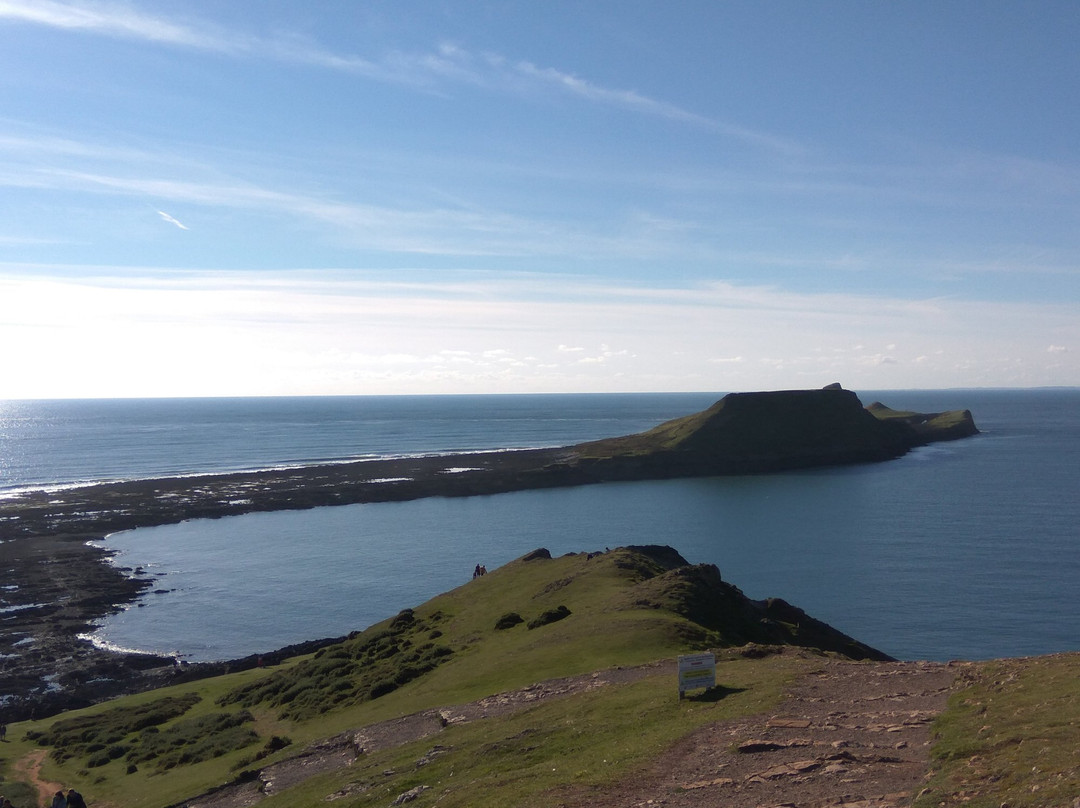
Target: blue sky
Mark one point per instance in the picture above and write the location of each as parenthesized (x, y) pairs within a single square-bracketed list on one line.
[(345, 197)]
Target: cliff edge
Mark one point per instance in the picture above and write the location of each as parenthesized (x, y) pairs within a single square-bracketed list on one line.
[(777, 431)]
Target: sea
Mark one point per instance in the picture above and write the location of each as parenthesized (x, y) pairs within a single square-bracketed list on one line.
[(968, 549)]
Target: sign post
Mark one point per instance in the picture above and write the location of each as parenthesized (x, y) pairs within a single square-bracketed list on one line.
[(696, 671)]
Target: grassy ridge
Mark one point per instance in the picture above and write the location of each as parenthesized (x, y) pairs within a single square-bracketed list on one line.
[(621, 608), (1011, 736)]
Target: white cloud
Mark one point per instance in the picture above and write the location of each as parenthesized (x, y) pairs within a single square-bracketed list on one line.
[(194, 333), (633, 101), (113, 19), (426, 70), (166, 217)]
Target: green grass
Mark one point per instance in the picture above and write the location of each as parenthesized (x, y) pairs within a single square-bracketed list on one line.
[(1011, 736), (947, 420), (18, 793), (100, 735), (940, 424), (883, 413), (210, 746), (557, 753), (667, 436), (352, 672), (148, 752)]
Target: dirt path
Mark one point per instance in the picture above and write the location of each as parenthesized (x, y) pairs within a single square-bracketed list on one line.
[(28, 770), (849, 735), (341, 750)]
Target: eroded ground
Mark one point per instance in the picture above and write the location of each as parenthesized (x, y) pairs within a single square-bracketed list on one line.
[(850, 734)]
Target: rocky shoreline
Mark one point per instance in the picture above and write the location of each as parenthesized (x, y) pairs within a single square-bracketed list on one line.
[(56, 582)]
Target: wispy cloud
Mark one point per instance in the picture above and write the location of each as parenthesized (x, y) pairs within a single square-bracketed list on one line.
[(114, 20), (634, 101), (420, 230), (165, 216), (447, 64)]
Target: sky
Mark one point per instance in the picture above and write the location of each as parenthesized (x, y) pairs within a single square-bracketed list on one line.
[(266, 197)]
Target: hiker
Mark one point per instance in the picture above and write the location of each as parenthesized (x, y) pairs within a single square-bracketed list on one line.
[(74, 799), (476, 572), (59, 800)]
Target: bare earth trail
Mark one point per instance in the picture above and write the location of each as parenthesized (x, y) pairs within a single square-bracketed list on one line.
[(848, 734), (851, 734), (28, 770)]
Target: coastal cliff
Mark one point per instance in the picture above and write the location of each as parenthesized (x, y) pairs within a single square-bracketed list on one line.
[(753, 433)]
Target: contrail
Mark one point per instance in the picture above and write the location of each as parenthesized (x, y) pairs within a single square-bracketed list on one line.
[(171, 220)]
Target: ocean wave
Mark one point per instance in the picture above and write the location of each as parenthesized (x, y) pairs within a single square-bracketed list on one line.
[(104, 645), (60, 488)]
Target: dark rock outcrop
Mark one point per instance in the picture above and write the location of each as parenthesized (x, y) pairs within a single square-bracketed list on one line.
[(762, 432), (698, 593)]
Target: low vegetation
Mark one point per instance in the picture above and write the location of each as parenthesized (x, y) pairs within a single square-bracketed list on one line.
[(153, 732), (556, 753), (86, 736), (365, 667), (1009, 737)]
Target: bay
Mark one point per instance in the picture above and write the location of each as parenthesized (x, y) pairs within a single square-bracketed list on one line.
[(965, 549)]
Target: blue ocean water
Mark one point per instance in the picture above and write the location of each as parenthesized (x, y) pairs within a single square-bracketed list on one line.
[(965, 549), (48, 443)]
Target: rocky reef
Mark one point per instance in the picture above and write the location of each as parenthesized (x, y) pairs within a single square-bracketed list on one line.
[(743, 433)]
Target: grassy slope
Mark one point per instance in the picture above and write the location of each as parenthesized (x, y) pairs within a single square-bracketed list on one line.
[(1010, 737), (744, 426), (606, 628), (667, 436), (534, 757), (787, 420), (928, 425)]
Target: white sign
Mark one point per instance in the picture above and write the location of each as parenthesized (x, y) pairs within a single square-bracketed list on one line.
[(696, 670)]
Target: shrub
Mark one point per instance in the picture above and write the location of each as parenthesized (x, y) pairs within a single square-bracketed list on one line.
[(88, 736), (363, 667), (550, 616), (195, 740), (382, 688), (508, 620)]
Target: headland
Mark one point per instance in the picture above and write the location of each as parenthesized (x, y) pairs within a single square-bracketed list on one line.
[(65, 585)]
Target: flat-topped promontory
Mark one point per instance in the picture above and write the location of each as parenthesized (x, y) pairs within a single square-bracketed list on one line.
[(743, 433)]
